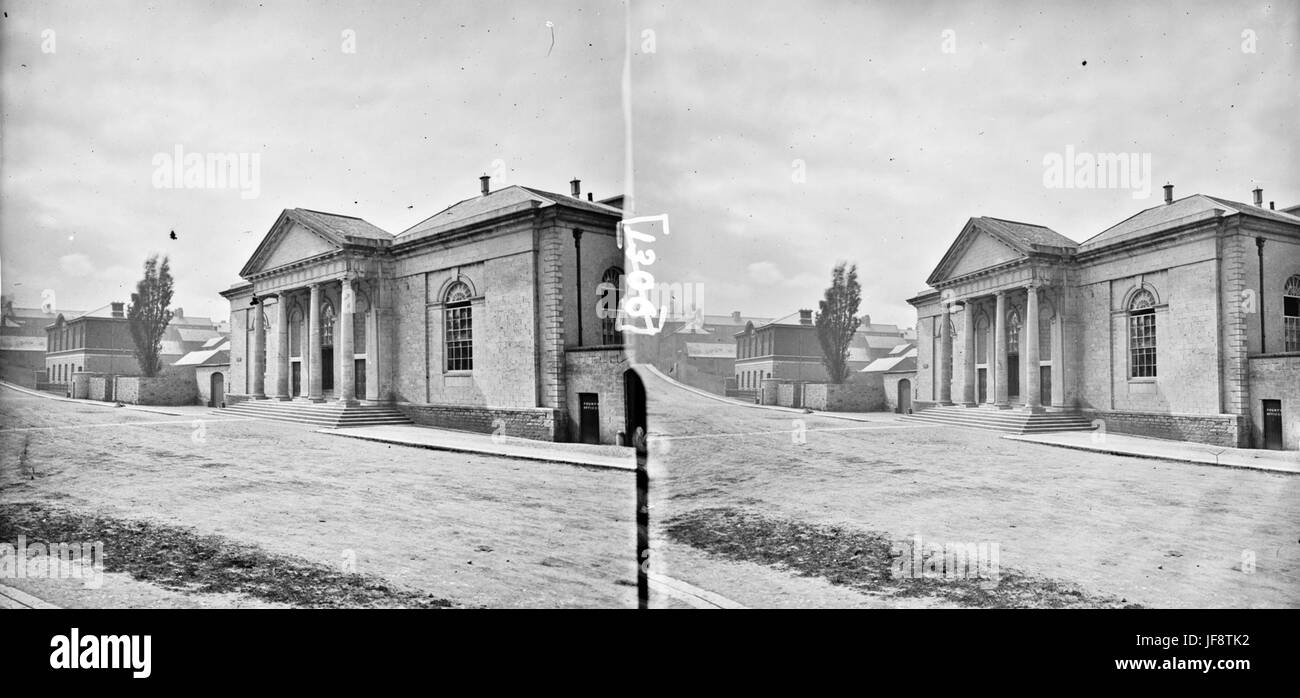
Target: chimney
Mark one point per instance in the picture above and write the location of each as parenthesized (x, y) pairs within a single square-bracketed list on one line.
[(483, 184), (576, 187), (866, 320), (1270, 206), (805, 317), (179, 312), (735, 316), (1169, 193), (1259, 197), (118, 309), (590, 196)]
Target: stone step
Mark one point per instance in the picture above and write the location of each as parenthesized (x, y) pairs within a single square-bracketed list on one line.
[(1006, 421), (323, 414)]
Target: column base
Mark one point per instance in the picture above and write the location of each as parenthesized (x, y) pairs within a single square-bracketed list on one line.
[(281, 398), (1002, 405), (347, 403), (970, 404), (1033, 409)]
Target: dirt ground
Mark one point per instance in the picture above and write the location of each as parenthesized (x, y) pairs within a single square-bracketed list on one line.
[(476, 530), (1154, 533)]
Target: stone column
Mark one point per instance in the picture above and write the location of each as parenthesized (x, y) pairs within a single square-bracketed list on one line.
[(347, 390), (968, 395), (258, 362), (1033, 388), (282, 348), (372, 350), (944, 357), (1000, 352), (314, 391)]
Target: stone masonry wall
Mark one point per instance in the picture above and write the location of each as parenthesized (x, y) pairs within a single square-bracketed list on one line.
[(1219, 430), (539, 423)]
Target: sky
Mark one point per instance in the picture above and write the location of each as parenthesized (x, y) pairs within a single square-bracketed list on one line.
[(778, 137)]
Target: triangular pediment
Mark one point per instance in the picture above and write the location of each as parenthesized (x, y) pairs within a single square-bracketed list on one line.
[(977, 247), (288, 241)]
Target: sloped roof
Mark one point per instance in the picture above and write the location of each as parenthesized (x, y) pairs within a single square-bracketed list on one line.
[(711, 350), (1027, 234), (1186, 209), (1023, 238), (895, 362), (219, 355), (514, 195), (338, 226)]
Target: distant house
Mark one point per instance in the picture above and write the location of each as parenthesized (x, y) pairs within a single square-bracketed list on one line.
[(22, 341), (897, 374), (696, 349), (99, 341), (788, 349), (211, 365)]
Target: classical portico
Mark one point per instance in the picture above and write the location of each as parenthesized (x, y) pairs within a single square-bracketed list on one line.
[(321, 300), (994, 323)]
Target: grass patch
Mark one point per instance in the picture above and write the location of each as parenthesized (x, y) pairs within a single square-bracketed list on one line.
[(180, 559), (862, 560)]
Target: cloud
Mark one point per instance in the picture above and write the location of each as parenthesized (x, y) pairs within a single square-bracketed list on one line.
[(77, 265)]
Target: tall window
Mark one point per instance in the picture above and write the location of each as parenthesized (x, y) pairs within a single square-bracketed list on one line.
[(1291, 313), (609, 332), (1142, 335), (1013, 332), (459, 328)]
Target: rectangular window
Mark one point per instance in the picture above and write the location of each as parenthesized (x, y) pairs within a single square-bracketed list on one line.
[(460, 338), (1291, 322), (1142, 344)]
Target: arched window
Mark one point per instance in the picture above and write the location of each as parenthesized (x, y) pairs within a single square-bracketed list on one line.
[(459, 330), (1291, 312), (1013, 332), (327, 324), (295, 332), (1142, 335), (610, 300)]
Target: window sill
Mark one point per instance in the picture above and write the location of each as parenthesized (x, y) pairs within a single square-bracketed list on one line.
[(458, 373), (1151, 379)]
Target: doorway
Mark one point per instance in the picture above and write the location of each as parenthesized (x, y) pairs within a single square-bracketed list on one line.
[(1273, 425), (359, 384), (296, 389), (218, 386), (904, 396), (588, 418), (1013, 377), (983, 388), (327, 368), (1045, 384)]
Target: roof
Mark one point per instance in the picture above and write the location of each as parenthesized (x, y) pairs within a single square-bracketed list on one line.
[(216, 356), (710, 350), (878, 342), (338, 226), (197, 334), (898, 362), (1027, 234), (514, 196), (1186, 209), (28, 322)]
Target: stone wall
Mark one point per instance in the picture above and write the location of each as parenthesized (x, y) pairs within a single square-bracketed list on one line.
[(101, 388), (1221, 430), (861, 394), (890, 381), (536, 423), (1276, 378), (174, 386), (597, 371)]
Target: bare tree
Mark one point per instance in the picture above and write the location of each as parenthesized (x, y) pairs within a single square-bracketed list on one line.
[(148, 314), (837, 320)]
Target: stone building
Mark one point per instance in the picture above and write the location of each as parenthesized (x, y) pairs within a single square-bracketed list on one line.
[(787, 349), (1180, 322), (100, 341), (23, 341), (481, 317)]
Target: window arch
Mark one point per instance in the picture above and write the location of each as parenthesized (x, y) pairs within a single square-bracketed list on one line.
[(1142, 334), (1291, 312), (1013, 331), (610, 306), (459, 327), (327, 324)]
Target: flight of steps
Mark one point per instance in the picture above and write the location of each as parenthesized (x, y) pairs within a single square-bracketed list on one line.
[(1012, 421), (326, 414)]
